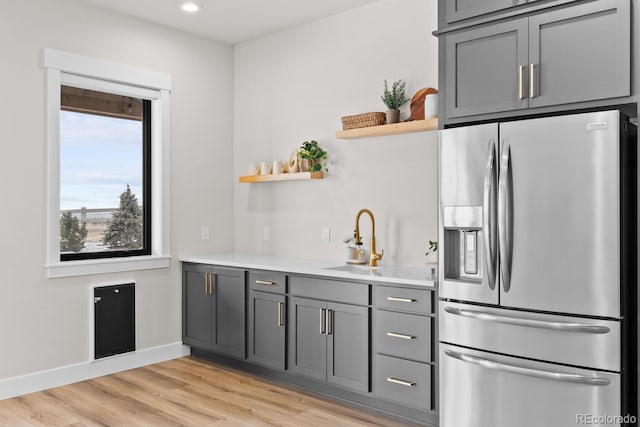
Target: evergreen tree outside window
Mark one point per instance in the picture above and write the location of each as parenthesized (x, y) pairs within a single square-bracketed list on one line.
[(72, 234), (125, 228)]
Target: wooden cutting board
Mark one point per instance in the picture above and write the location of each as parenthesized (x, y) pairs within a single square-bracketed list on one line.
[(417, 103)]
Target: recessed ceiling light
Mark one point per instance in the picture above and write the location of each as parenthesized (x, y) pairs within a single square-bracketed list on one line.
[(191, 7)]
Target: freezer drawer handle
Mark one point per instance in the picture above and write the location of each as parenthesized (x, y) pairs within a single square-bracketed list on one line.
[(396, 299), (403, 336), (558, 326), (401, 382), (521, 370)]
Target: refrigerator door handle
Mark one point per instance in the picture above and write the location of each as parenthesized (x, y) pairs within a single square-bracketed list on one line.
[(533, 323), (504, 215), (521, 370), (489, 215)]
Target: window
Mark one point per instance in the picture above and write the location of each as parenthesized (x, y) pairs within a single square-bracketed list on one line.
[(105, 185), (108, 161)]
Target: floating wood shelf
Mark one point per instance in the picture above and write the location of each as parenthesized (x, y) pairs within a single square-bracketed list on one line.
[(392, 129), (281, 177)]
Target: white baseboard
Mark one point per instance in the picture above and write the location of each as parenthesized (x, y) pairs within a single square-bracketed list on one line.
[(17, 386)]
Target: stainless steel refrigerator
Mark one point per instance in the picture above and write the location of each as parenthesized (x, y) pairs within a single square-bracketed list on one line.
[(538, 272)]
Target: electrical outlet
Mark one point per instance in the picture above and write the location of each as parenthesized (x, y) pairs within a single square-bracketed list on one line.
[(326, 234), (204, 232), (266, 233)]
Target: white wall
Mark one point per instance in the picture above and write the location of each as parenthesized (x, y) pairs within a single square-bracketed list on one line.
[(44, 323), (295, 85)]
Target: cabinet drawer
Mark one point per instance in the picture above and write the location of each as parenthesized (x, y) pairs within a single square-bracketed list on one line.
[(404, 299), (329, 290), (408, 383), (403, 335), (268, 281)]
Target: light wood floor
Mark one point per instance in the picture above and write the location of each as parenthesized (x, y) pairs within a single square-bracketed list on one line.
[(182, 392)]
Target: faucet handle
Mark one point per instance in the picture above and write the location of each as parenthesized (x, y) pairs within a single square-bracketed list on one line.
[(375, 257)]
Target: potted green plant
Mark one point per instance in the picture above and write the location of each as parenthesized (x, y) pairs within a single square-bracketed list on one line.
[(431, 250), (394, 98), (313, 158)]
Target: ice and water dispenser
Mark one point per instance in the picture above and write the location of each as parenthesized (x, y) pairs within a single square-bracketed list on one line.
[(462, 255)]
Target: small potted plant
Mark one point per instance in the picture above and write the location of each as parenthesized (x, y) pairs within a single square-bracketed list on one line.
[(431, 251), (394, 98), (313, 158)]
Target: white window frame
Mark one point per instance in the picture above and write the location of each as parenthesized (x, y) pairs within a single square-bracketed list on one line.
[(99, 74)]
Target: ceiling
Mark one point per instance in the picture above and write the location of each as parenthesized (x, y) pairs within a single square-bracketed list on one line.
[(232, 21)]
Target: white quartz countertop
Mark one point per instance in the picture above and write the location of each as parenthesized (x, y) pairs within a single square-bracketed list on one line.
[(417, 276)]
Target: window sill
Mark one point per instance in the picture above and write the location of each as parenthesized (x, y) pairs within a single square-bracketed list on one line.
[(111, 265)]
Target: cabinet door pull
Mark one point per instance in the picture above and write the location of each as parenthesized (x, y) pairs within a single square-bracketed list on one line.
[(322, 321), (520, 78), (280, 322), (264, 282), (397, 299), (401, 382), (329, 322), (212, 283), (402, 336), (531, 79), (206, 283)]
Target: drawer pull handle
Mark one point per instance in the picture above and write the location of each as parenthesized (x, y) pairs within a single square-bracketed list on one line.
[(397, 299), (264, 282), (404, 337), (401, 382)]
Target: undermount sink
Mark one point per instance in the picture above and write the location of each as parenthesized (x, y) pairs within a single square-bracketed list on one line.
[(356, 269)]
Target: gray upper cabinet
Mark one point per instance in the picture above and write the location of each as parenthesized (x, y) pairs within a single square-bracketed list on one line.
[(482, 67), (580, 53), (213, 309), (457, 10), (574, 54)]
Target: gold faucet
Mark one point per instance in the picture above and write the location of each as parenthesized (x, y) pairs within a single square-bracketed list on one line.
[(374, 257)]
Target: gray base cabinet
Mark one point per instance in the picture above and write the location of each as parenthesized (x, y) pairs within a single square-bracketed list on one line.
[(266, 335), (318, 333), (403, 342), (213, 309), (267, 319), (197, 307), (579, 53), (330, 342), (307, 338), (403, 381)]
